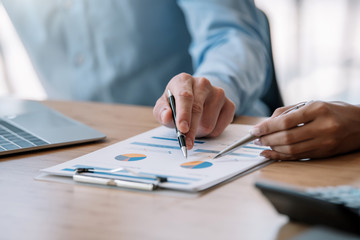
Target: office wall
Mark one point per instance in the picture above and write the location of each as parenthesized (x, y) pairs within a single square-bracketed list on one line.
[(314, 42)]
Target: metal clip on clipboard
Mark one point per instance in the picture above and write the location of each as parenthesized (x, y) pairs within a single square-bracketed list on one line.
[(79, 176)]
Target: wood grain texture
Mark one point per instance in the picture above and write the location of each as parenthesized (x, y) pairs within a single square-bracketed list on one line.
[(32, 209)]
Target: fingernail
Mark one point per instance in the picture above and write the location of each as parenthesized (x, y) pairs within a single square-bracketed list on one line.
[(189, 143), (258, 142), (265, 154), (255, 131), (184, 126)]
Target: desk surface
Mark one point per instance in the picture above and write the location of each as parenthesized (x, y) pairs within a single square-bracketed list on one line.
[(34, 209)]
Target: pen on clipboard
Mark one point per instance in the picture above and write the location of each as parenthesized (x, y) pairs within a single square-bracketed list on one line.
[(180, 136), (249, 137)]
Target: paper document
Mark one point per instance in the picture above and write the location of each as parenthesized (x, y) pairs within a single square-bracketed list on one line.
[(157, 153)]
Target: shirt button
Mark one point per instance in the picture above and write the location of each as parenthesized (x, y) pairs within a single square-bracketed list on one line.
[(79, 60), (68, 4)]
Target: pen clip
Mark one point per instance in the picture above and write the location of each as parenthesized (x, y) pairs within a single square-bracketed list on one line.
[(296, 107)]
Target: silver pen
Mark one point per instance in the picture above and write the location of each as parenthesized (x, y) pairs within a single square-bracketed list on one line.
[(180, 136), (249, 137)]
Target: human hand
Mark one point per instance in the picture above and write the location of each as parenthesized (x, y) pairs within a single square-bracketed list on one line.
[(202, 110), (319, 129)]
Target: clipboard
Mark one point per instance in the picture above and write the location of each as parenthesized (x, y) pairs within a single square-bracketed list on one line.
[(153, 160)]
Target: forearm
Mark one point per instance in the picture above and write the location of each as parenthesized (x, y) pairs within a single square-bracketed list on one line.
[(235, 71), (230, 47)]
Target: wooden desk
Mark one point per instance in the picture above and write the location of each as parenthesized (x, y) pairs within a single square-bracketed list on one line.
[(32, 209)]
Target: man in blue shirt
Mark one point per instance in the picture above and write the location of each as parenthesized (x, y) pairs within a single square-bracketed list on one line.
[(128, 51)]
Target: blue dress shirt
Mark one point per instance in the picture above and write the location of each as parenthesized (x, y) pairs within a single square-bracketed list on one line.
[(126, 51)]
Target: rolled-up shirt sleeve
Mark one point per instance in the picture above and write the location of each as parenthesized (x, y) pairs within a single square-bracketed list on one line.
[(231, 47)]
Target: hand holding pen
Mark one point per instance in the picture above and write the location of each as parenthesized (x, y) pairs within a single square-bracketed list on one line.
[(202, 110), (317, 130), (255, 133)]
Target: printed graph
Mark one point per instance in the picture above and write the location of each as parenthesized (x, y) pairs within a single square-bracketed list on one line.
[(130, 157), (196, 164)]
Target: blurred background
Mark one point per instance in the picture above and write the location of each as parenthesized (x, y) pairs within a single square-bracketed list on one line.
[(314, 47)]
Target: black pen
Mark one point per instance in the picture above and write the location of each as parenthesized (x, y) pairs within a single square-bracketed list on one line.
[(180, 136)]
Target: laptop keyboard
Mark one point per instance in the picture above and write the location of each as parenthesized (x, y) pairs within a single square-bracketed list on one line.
[(12, 138)]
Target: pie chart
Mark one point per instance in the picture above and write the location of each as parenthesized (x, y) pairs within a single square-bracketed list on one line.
[(130, 157), (196, 164)]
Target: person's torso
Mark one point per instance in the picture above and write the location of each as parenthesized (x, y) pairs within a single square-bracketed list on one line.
[(116, 51)]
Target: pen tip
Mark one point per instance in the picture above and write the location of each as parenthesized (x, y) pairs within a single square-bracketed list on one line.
[(184, 150)]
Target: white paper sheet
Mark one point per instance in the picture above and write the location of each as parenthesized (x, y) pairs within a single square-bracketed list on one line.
[(157, 152)]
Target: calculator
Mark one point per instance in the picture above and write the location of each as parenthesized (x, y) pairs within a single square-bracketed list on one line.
[(333, 206)]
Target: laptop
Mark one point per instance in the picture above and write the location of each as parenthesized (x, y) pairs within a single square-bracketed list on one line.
[(29, 125)]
